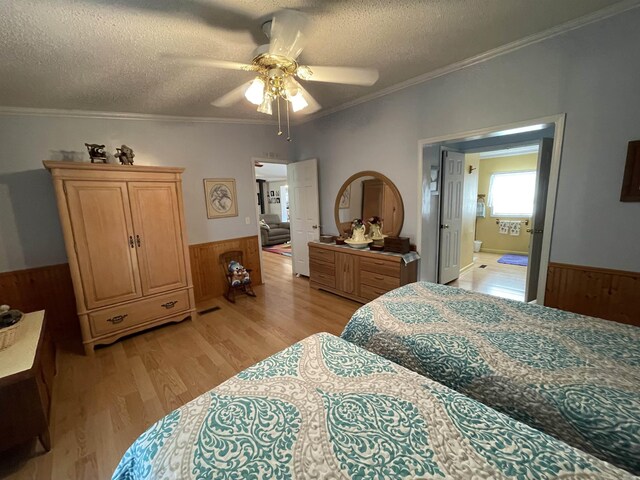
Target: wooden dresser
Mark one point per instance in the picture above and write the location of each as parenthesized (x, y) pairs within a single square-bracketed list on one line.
[(360, 275), (27, 369), (126, 242)]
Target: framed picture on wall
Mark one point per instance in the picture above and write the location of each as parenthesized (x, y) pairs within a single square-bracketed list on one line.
[(345, 199), (220, 197)]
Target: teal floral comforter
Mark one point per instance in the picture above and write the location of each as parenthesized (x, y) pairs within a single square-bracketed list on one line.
[(325, 408), (574, 377)]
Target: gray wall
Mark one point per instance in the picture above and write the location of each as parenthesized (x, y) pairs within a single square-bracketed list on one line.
[(592, 74), (30, 234)]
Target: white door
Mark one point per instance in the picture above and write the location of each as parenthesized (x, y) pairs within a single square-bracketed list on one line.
[(537, 221), (450, 215), (304, 211)]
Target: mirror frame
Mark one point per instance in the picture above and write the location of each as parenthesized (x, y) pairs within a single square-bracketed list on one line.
[(379, 176)]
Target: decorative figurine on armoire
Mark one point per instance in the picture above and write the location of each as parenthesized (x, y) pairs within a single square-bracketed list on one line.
[(125, 155)]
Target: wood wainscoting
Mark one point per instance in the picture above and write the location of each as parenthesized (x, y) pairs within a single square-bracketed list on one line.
[(43, 288), (597, 292), (208, 278), (49, 288)]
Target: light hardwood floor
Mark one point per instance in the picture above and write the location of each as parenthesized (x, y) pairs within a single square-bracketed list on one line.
[(506, 281), (101, 404)]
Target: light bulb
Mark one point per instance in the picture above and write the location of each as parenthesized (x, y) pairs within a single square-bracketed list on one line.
[(265, 106), (255, 92), (298, 102)]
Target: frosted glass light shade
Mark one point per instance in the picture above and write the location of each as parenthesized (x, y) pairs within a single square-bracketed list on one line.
[(265, 106), (298, 102), (255, 92)]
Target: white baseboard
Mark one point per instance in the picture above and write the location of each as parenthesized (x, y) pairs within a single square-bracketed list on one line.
[(495, 250), (468, 267)]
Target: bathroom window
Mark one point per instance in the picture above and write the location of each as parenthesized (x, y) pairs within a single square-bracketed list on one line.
[(512, 194)]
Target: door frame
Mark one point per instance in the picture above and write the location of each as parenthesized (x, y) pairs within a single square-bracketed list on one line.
[(253, 160), (558, 121)]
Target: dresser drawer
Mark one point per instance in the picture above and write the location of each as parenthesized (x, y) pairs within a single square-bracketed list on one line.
[(379, 280), (322, 255), (323, 279), (384, 267), (320, 267), (371, 293), (126, 316)]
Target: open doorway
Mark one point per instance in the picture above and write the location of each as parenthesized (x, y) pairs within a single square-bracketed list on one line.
[(272, 194), (493, 192), (497, 215)]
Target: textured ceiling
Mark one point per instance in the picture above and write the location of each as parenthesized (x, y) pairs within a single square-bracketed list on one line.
[(104, 55)]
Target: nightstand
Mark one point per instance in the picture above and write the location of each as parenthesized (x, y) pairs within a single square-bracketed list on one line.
[(27, 369)]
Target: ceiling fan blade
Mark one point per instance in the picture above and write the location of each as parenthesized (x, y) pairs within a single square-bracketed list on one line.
[(313, 106), (209, 62), (234, 96), (346, 75), (287, 33)]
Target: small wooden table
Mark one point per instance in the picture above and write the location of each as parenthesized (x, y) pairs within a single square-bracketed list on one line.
[(27, 369)]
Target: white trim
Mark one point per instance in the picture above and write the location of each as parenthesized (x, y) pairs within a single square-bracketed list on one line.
[(52, 112), (554, 173), (574, 24), (502, 252)]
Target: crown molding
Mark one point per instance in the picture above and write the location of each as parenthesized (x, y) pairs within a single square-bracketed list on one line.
[(594, 17), (51, 112)]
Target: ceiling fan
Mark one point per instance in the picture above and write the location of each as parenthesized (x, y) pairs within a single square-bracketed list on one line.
[(278, 71)]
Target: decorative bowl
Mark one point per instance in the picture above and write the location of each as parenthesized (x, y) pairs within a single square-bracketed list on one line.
[(358, 245)]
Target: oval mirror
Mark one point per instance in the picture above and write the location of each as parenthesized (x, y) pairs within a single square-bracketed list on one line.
[(367, 194)]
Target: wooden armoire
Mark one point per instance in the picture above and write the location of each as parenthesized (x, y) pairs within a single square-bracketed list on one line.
[(125, 237)]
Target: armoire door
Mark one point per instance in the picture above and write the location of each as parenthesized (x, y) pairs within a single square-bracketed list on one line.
[(158, 236), (104, 242)]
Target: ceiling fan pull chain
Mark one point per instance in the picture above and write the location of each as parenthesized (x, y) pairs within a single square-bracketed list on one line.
[(279, 125), (288, 125)]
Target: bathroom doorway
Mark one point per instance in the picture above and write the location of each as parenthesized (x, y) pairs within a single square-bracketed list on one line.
[(490, 195)]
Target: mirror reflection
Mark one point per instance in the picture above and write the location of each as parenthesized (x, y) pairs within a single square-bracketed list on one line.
[(368, 196)]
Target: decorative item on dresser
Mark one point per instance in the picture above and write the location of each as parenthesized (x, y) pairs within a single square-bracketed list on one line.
[(126, 242), (360, 275), (27, 369)]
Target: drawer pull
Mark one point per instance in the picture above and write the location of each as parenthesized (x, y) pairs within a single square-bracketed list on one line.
[(117, 318), (379, 278), (169, 305)]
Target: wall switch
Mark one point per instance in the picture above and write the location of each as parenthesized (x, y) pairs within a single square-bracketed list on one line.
[(247, 220)]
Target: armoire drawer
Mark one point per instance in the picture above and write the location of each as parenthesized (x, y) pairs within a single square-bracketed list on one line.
[(125, 316), (379, 280), (385, 267)]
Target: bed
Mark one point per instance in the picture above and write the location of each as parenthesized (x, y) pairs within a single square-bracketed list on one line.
[(574, 377), (325, 408)]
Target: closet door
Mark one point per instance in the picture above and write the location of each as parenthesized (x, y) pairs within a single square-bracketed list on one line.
[(158, 236), (103, 235)]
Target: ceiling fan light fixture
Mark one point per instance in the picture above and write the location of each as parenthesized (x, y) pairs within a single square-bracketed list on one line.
[(304, 72), (255, 92), (298, 102), (265, 105), (290, 88)]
